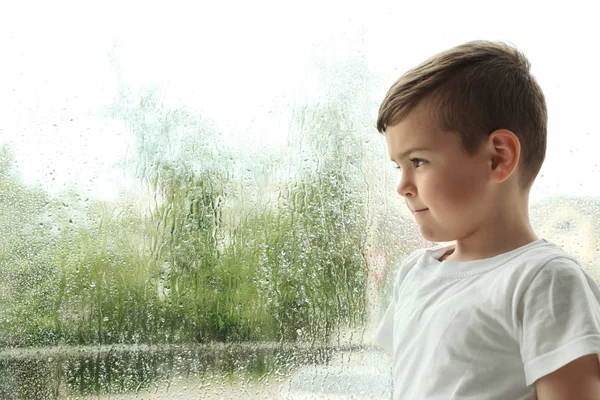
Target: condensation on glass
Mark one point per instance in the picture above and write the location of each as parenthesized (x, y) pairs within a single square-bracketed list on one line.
[(185, 214)]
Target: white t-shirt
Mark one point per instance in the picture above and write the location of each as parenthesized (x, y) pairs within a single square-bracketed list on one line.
[(488, 329)]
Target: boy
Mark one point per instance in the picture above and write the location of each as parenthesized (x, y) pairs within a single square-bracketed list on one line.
[(499, 313)]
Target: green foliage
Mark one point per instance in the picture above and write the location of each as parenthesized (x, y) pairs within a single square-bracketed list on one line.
[(105, 283), (28, 286), (194, 263)]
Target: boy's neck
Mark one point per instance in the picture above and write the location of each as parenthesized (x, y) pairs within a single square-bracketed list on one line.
[(506, 229)]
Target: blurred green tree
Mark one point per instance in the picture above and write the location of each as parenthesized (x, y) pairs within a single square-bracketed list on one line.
[(27, 289)]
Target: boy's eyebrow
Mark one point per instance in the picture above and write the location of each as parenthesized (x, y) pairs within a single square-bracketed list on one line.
[(407, 152)]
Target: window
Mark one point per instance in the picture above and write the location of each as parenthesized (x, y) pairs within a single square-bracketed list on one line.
[(194, 200)]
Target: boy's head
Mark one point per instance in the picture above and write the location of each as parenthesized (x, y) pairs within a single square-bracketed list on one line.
[(459, 123), (473, 90)]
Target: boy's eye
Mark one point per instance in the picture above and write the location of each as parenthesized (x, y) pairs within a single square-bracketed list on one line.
[(417, 162)]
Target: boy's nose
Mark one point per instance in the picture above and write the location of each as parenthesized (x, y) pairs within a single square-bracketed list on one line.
[(406, 188)]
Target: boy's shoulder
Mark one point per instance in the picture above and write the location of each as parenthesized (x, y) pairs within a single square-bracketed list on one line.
[(540, 251), (550, 263), (524, 264), (410, 261), (545, 255), (541, 255)]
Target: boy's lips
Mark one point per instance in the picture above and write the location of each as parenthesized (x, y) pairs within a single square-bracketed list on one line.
[(415, 210)]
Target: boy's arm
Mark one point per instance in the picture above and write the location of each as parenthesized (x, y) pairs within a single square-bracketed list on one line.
[(560, 332), (580, 379)]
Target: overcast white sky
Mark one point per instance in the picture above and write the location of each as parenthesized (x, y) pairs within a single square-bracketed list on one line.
[(222, 56)]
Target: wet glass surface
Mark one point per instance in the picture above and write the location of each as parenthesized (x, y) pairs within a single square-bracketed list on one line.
[(195, 202)]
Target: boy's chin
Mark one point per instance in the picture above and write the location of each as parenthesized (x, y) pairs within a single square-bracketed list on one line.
[(431, 236)]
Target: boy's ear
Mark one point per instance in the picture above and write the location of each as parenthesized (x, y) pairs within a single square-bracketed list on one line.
[(505, 150)]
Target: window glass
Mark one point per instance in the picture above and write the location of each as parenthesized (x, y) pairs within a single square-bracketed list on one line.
[(195, 202)]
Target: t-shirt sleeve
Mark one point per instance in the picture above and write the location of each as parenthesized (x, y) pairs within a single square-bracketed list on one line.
[(385, 332), (560, 318), (384, 335)]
